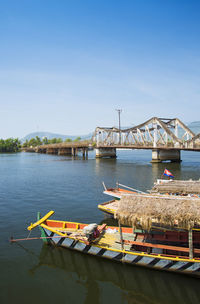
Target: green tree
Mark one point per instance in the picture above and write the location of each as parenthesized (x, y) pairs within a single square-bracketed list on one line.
[(25, 144), (59, 140), (10, 145), (38, 141), (45, 140), (32, 142), (77, 139), (53, 140), (67, 140)]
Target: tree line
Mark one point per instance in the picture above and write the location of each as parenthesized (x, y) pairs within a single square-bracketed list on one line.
[(37, 141), (15, 145), (10, 145)]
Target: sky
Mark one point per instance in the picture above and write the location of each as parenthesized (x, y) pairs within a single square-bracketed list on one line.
[(67, 65)]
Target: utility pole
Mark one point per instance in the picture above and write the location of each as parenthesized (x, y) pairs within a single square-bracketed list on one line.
[(119, 113)]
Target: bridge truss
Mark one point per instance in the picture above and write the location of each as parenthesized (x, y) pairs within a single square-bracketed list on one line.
[(158, 133)]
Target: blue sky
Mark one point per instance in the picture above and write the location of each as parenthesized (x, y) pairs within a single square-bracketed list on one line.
[(66, 65)]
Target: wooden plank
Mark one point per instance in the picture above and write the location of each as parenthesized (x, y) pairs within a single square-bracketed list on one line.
[(167, 247), (190, 241), (121, 237)]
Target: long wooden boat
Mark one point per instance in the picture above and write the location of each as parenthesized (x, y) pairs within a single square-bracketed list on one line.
[(162, 188), (111, 206), (119, 190), (125, 245), (177, 187)]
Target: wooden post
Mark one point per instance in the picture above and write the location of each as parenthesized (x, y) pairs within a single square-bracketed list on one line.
[(74, 151), (190, 241), (121, 237)]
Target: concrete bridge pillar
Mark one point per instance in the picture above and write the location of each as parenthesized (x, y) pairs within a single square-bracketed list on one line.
[(85, 152), (159, 155), (74, 151), (105, 152)]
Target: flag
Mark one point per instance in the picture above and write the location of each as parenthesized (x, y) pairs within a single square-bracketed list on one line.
[(168, 173)]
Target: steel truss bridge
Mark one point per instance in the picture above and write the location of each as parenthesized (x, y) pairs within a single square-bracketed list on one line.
[(155, 133), (165, 137)]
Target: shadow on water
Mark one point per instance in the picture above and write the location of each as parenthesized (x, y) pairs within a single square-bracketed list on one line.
[(135, 284)]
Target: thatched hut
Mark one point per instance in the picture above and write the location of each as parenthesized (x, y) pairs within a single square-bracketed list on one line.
[(144, 210), (177, 186)]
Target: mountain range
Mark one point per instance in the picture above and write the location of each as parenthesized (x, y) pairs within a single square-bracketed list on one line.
[(193, 126), (50, 135)]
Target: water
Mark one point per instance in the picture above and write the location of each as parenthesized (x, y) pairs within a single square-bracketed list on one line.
[(32, 272)]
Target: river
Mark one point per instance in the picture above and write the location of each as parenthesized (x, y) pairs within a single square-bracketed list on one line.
[(35, 273)]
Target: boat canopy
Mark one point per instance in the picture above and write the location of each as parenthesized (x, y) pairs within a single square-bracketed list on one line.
[(166, 210), (177, 186)]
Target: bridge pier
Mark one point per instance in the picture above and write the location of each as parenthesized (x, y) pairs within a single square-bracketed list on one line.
[(106, 152), (52, 151), (85, 152), (159, 155), (74, 152), (65, 151)]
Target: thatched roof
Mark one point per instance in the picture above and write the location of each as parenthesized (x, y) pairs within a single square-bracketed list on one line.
[(177, 186), (143, 210)]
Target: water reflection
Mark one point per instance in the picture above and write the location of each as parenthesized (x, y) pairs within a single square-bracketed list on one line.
[(133, 284), (158, 169), (72, 187)]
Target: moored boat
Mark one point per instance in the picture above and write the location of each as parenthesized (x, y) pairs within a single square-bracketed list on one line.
[(177, 187), (156, 248), (162, 187), (119, 190), (111, 206)]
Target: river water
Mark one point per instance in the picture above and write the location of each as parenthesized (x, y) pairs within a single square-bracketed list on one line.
[(35, 273)]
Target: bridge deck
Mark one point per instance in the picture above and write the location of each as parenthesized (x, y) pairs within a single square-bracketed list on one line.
[(143, 147)]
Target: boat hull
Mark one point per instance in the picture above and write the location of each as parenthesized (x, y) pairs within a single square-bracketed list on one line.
[(154, 261), (108, 208)]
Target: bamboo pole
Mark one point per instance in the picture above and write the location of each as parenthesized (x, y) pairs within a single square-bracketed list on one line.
[(12, 240), (121, 237), (190, 241)]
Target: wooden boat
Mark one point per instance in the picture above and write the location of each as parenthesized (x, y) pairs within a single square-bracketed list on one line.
[(162, 187), (120, 190), (177, 187), (125, 245), (110, 207)]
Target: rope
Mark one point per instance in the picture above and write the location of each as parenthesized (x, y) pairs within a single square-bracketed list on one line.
[(131, 188), (29, 234)]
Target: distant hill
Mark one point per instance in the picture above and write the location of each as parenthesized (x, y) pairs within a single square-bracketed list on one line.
[(194, 126), (53, 135)]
